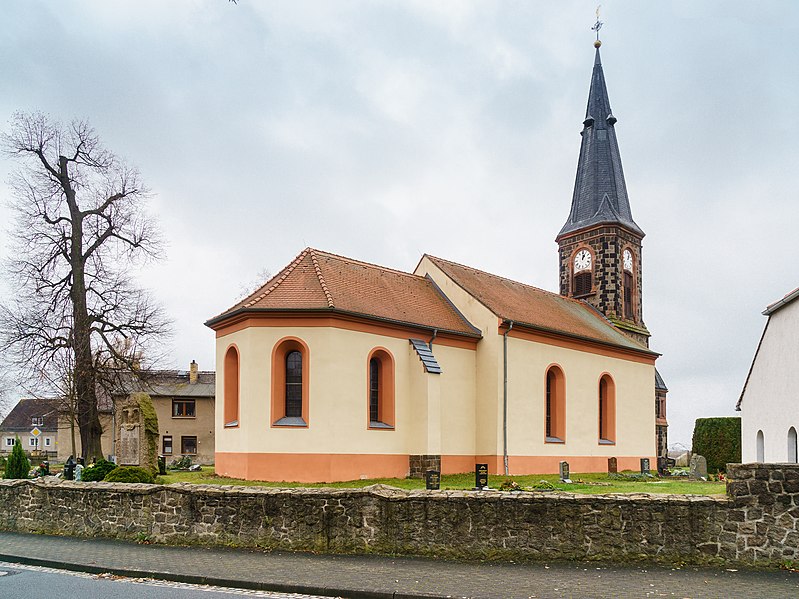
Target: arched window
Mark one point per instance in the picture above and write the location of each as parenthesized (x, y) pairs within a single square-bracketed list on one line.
[(628, 284), (381, 389), (555, 408), (628, 295), (793, 455), (293, 384), (583, 264), (231, 388), (607, 410), (761, 450), (290, 379)]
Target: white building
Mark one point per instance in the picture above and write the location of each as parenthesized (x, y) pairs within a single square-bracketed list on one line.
[(769, 402)]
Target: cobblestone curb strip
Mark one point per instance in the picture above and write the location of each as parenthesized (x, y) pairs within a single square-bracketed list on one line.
[(302, 589), (756, 524)]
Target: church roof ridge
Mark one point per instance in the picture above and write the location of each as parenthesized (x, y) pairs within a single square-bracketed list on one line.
[(505, 279), (255, 297), (538, 308), (320, 281)]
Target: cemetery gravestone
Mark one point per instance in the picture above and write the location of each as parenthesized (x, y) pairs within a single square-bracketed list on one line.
[(613, 466), (564, 472), (432, 480), (644, 465), (698, 467), (480, 476)]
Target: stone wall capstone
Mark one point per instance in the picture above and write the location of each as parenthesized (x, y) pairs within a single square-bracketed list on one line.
[(755, 524)]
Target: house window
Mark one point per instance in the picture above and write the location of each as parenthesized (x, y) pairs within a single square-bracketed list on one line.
[(166, 445), (183, 408), (290, 383), (555, 424), (793, 458), (188, 445), (607, 410), (231, 374), (10, 441), (33, 441), (381, 389), (761, 447), (37, 420), (47, 441)]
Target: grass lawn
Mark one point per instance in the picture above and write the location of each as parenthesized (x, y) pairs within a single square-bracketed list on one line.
[(593, 483)]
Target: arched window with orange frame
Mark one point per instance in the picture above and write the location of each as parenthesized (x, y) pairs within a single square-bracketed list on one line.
[(231, 388), (607, 410), (380, 385), (290, 382), (555, 406)]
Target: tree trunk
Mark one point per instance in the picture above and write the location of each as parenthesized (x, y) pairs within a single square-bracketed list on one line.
[(85, 388)]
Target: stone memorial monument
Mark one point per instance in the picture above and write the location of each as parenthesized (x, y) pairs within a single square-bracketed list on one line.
[(137, 432), (698, 467), (613, 466)]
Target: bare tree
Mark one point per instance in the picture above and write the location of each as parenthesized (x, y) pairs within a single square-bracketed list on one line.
[(80, 227)]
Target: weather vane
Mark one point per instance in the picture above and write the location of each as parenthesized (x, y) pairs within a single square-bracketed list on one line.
[(597, 26)]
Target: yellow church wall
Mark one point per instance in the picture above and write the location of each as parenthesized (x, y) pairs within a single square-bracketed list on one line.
[(528, 362), (488, 389), (433, 413)]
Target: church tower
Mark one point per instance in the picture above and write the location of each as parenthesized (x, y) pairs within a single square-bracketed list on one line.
[(600, 244)]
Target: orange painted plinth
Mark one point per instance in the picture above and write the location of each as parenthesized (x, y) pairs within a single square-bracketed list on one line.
[(310, 467), (314, 468)]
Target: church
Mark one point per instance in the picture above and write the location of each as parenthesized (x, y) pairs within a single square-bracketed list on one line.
[(337, 369)]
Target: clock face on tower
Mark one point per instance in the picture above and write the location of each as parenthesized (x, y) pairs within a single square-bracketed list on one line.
[(582, 261), (627, 258)]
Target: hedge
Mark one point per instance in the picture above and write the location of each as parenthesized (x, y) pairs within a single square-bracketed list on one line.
[(98, 471), (719, 440), (129, 474)]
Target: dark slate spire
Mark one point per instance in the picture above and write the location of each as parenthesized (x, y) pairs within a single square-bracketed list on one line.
[(600, 194)]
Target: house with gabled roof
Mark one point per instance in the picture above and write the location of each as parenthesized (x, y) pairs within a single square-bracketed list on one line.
[(768, 405), (338, 369), (34, 420)]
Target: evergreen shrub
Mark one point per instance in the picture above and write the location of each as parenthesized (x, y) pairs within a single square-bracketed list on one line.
[(129, 474), (98, 471), (18, 465), (719, 440)]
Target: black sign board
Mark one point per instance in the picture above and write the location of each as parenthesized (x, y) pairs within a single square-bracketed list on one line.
[(644, 465), (564, 472), (480, 476), (432, 479), (613, 466)]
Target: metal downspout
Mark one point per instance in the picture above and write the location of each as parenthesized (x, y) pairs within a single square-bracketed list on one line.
[(433, 338), (505, 395)]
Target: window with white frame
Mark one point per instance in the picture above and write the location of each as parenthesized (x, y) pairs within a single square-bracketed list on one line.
[(10, 441), (37, 420), (47, 441), (33, 441)]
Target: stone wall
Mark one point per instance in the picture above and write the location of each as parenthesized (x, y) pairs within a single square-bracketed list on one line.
[(754, 524)]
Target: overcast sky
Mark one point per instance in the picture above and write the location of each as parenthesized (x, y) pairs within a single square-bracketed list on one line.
[(381, 130)]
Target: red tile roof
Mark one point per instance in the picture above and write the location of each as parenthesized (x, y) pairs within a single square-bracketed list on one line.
[(527, 305), (317, 280)]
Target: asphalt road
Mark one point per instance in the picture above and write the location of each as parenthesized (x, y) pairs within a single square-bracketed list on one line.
[(34, 582)]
